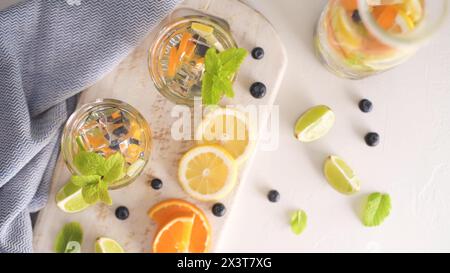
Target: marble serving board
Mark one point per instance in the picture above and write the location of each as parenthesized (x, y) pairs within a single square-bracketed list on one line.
[(130, 82)]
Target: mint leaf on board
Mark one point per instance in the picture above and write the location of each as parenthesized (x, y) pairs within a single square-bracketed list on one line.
[(69, 239), (88, 163), (103, 193), (377, 209), (90, 193), (220, 69), (113, 169), (82, 181), (299, 220)]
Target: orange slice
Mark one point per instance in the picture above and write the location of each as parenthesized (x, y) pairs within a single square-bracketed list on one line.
[(349, 5), (175, 236), (173, 62), (183, 45), (166, 211), (385, 16)]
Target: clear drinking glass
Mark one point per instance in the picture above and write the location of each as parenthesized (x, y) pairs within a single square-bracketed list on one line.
[(358, 38), (176, 58), (106, 127)]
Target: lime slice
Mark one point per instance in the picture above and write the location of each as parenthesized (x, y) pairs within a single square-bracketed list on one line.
[(69, 199), (106, 245), (207, 33), (136, 167), (340, 176), (314, 123)]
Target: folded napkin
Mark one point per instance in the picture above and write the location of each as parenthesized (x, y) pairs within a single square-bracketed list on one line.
[(49, 52)]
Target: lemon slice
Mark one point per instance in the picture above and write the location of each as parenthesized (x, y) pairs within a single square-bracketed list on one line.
[(69, 199), (207, 33), (106, 245), (230, 129), (405, 23), (340, 176), (207, 173), (413, 9), (314, 123), (347, 33)]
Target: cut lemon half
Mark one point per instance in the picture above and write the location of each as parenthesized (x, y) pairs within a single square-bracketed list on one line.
[(207, 173), (70, 200), (314, 123), (164, 212), (230, 129), (340, 176), (106, 245), (175, 236)]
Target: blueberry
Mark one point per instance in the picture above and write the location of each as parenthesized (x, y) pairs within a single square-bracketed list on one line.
[(115, 145), (156, 184), (258, 53), (121, 131), (219, 210), (201, 50), (356, 17), (122, 213), (372, 139), (134, 141), (258, 90), (366, 105), (274, 196)]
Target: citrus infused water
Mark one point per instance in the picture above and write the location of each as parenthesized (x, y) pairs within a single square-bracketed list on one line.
[(358, 38), (177, 57), (107, 127)]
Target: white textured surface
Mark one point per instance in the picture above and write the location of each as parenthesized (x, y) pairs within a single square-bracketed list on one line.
[(412, 114)]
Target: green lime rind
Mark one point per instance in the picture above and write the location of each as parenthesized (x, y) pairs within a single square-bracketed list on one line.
[(340, 176), (314, 124), (106, 245), (70, 199)]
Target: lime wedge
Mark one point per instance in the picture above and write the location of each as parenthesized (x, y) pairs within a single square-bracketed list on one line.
[(69, 199), (106, 245), (135, 168), (340, 176), (314, 123), (202, 28), (207, 33)]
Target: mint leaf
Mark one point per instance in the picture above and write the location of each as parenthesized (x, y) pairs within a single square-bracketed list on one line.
[(212, 61), (113, 169), (103, 193), (69, 239), (231, 60), (377, 209), (82, 181), (88, 163), (90, 193), (298, 222), (219, 71)]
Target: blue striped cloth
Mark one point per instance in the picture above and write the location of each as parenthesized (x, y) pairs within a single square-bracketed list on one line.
[(50, 50)]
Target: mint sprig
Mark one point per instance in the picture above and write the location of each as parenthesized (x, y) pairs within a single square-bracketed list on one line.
[(97, 173), (220, 69), (69, 239)]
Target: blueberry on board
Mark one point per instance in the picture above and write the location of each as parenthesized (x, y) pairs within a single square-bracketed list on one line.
[(273, 196), (258, 90), (258, 53), (366, 105), (122, 213), (356, 17), (372, 139), (219, 210), (156, 184)]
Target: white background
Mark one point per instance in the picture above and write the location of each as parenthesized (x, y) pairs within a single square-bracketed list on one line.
[(412, 115)]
